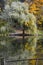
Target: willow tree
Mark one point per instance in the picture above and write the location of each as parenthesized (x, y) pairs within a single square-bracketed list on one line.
[(20, 14)]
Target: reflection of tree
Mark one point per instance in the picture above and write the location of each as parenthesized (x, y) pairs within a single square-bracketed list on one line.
[(19, 49), (29, 46), (4, 46), (27, 49)]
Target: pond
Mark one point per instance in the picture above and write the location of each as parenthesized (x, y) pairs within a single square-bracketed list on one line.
[(18, 50)]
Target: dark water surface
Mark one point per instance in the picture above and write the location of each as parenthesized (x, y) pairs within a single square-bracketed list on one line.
[(18, 51)]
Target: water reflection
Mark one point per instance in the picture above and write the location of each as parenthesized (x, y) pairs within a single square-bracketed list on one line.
[(19, 48)]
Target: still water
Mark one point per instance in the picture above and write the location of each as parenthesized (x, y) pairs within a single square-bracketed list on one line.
[(22, 50)]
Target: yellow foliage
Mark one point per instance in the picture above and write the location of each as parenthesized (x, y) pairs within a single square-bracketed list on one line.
[(35, 56), (41, 0), (27, 46), (37, 10), (33, 8), (38, 0), (26, 24), (39, 22), (33, 49), (33, 62)]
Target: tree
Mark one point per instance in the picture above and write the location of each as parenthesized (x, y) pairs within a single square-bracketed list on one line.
[(19, 14), (36, 8)]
